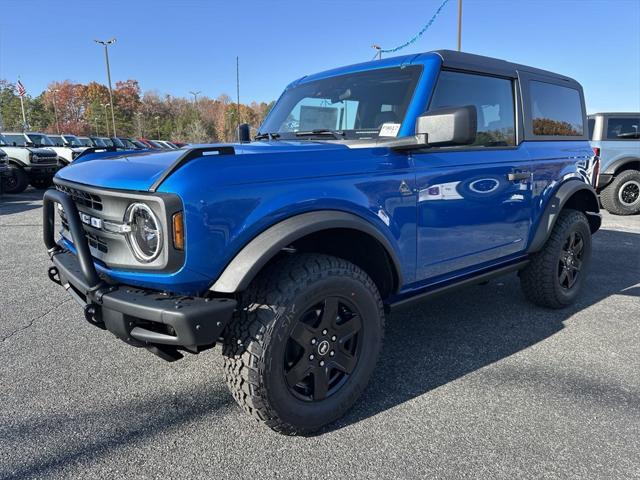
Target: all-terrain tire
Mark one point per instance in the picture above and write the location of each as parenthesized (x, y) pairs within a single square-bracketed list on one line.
[(270, 310), (541, 279), (610, 196), (16, 182)]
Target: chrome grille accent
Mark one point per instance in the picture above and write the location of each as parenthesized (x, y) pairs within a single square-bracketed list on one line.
[(87, 199), (95, 241)]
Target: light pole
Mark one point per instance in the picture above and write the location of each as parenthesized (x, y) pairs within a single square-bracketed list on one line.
[(55, 109), (139, 117), (95, 121), (105, 44), (378, 49), (195, 96), (459, 25), (158, 125), (106, 117)]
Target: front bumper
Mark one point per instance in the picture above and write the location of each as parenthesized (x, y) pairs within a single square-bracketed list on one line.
[(42, 171), (160, 321)]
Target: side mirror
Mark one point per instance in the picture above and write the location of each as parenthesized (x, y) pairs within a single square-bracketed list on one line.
[(449, 126), (244, 135)]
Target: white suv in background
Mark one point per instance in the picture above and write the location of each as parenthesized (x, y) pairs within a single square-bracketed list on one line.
[(30, 161), (68, 147)]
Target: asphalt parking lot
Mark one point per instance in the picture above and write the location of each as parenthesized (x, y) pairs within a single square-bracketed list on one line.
[(478, 384)]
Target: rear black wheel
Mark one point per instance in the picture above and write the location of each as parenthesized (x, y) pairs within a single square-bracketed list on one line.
[(305, 343), (622, 195), (556, 274)]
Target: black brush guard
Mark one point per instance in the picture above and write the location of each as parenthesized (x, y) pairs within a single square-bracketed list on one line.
[(159, 321)]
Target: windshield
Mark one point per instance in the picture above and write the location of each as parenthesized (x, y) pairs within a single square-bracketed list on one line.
[(73, 140), (17, 139), (85, 141), (3, 141), (356, 105), (107, 142), (98, 142), (57, 140), (116, 142), (39, 140)]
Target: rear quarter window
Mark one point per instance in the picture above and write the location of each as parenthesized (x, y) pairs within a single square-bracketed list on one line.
[(555, 110), (623, 128)]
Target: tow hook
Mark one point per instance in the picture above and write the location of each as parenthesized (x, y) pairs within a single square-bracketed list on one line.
[(92, 315), (54, 275)]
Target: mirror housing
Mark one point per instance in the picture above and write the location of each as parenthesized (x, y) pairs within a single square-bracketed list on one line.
[(244, 135), (449, 126)]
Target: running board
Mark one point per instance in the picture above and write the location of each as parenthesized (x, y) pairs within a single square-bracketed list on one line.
[(433, 292)]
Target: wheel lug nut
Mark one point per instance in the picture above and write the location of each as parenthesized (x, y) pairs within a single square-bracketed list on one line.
[(311, 357), (322, 363), (324, 332), (313, 341), (334, 338), (332, 353)]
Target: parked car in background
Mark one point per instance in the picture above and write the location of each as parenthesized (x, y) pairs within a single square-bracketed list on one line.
[(31, 160), (150, 144), (615, 137), (98, 142), (368, 187), (132, 143), (68, 147), (166, 144), (179, 144)]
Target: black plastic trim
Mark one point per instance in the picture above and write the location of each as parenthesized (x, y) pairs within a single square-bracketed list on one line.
[(554, 207), (186, 157), (454, 285), (250, 260), (614, 166)]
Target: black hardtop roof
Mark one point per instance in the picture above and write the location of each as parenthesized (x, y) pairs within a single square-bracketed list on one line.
[(615, 114), (469, 61)]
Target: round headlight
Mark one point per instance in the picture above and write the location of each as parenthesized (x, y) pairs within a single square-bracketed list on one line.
[(145, 236)]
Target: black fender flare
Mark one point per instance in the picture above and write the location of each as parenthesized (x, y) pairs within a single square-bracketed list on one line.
[(16, 162), (555, 205), (614, 166), (249, 261)]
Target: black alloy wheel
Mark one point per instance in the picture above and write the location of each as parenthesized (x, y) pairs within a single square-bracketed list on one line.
[(323, 349)]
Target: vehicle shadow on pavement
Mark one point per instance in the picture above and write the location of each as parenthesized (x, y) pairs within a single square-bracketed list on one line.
[(81, 436), (22, 202), (451, 336)]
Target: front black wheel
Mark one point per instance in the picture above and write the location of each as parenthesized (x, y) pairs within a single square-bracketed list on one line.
[(16, 182), (305, 343), (555, 275)]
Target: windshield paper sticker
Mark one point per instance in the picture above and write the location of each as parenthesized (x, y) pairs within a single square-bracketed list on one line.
[(389, 130)]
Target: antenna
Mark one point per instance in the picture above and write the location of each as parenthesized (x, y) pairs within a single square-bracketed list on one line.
[(238, 92)]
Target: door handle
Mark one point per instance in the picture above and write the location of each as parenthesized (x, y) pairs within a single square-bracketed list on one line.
[(517, 176)]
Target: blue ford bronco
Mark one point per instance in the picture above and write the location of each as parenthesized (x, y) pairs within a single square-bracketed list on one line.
[(367, 188)]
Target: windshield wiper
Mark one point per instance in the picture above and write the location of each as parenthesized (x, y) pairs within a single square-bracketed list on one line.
[(267, 135), (320, 132)]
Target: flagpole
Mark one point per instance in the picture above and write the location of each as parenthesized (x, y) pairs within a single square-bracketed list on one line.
[(24, 117)]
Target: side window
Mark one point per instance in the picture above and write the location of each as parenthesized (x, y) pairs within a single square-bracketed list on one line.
[(493, 99), (623, 128), (555, 110)]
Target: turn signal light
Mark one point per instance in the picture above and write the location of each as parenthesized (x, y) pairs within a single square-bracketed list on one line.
[(178, 231)]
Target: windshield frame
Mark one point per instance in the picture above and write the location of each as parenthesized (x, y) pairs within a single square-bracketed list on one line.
[(338, 134)]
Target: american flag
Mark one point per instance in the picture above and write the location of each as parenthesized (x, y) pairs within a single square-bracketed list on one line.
[(21, 90)]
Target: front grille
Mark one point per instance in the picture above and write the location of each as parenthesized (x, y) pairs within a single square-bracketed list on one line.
[(44, 159), (82, 198), (95, 241)]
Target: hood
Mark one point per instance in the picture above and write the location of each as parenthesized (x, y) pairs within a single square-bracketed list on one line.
[(139, 171)]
